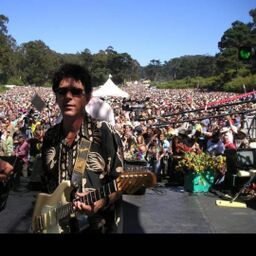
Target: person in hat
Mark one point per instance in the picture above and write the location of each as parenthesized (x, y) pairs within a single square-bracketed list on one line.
[(228, 138), (241, 140)]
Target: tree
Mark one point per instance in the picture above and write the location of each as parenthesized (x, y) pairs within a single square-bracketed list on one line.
[(239, 35), (252, 13), (153, 70), (120, 65), (187, 66), (87, 59), (38, 62), (7, 50), (3, 27)]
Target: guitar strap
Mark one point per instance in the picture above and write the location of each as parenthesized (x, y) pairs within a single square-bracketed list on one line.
[(80, 164)]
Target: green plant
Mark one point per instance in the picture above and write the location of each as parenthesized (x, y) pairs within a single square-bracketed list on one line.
[(201, 162), (15, 80)]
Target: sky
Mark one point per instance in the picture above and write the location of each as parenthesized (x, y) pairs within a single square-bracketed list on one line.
[(145, 29)]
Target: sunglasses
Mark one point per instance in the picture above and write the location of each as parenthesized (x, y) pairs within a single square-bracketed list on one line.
[(74, 91)]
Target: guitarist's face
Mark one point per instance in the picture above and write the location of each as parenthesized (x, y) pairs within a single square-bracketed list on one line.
[(71, 97)]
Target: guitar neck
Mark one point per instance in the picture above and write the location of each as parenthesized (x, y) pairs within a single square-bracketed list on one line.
[(93, 196), (100, 193)]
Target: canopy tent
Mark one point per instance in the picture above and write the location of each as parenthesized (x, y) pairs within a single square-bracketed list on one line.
[(110, 89)]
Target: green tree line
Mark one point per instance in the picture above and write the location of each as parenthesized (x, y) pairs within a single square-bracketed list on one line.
[(224, 71), (34, 62)]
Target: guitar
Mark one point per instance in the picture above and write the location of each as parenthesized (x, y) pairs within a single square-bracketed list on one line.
[(50, 209)]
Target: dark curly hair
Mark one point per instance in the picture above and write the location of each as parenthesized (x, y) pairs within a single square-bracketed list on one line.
[(75, 71)]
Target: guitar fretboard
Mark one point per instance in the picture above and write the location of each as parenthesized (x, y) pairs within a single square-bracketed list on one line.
[(100, 193), (93, 196)]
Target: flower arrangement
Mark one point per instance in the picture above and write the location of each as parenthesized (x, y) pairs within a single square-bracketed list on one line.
[(202, 162), (200, 170)]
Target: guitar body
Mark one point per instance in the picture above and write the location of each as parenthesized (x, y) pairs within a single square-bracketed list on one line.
[(51, 209), (44, 218)]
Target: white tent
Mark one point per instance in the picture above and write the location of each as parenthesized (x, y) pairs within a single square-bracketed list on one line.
[(110, 89)]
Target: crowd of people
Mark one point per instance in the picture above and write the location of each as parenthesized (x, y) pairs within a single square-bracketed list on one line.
[(152, 131), (155, 126)]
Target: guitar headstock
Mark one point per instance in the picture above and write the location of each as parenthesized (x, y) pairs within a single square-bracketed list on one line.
[(133, 180)]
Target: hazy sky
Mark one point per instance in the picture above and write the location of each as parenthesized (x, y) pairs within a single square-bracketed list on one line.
[(146, 29)]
